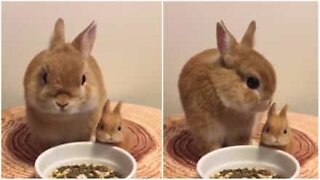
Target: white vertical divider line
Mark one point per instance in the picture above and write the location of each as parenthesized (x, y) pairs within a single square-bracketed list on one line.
[(318, 75), (162, 92)]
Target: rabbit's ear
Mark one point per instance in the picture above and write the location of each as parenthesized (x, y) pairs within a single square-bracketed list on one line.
[(248, 37), (272, 110), (283, 112), (106, 107), (85, 40), (117, 109), (225, 41), (58, 34)]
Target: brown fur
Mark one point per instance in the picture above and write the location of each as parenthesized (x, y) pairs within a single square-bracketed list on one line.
[(220, 109), (107, 130), (65, 66), (273, 135)]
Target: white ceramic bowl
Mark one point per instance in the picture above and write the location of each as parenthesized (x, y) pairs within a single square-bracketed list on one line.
[(86, 152), (248, 156)]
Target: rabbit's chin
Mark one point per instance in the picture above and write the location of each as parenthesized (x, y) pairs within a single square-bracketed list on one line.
[(272, 142), (66, 111), (72, 108), (247, 107)]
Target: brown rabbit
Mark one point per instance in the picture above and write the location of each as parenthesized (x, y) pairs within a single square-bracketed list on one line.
[(222, 90), (64, 89), (276, 132), (111, 128)]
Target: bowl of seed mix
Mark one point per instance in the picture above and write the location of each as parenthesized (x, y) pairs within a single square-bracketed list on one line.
[(248, 161), (81, 160)]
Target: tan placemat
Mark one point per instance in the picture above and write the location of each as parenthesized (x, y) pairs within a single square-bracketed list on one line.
[(18, 153), (181, 156)]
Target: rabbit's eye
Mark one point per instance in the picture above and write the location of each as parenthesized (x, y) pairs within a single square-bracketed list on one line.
[(119, 128), (101, 126), (83, 80), (285, 131), (267, 129), (45, 77), (253, 82)]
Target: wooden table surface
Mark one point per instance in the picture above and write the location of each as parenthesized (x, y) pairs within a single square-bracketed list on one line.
[(180, 154), (18, 154)]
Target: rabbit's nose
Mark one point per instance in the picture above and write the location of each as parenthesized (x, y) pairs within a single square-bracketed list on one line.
[(273, 139), (108, 137), (62, 104)]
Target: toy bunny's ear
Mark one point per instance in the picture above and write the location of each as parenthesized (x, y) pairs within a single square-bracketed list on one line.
[(272, 110), (106, 107), (283, 112), (58, 34), (117, 109), (248, 37), (85, 40)]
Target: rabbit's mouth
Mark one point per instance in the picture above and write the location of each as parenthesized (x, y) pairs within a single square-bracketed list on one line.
[(63, 109), (109, 141), (243, 104), (263, 106), (275, 143), (66, 110)]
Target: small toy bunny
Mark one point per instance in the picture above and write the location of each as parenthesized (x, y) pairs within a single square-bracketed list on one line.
[(111, 129), (276, 132)]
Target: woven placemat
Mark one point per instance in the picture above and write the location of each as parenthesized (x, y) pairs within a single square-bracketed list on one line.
[(181, 155), (19, 153)]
